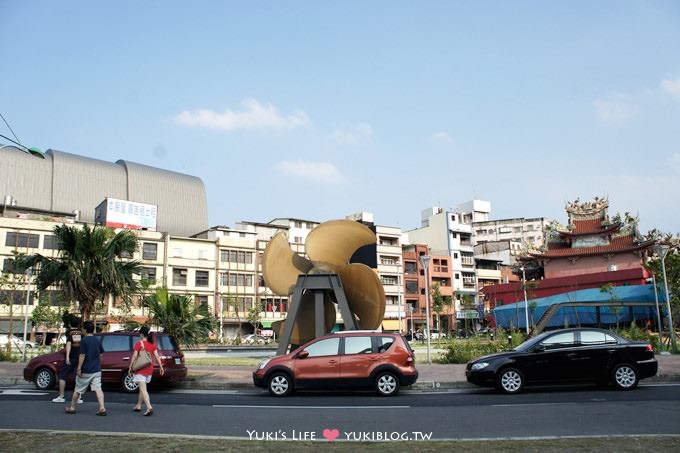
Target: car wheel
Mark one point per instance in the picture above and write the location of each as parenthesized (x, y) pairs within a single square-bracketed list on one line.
[(625, 376), (387, 384), (44, 379), (280, 384), (510, 380), (128, 384)]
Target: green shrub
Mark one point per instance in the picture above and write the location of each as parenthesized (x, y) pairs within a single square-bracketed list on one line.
[(635, 333), (7, 356)]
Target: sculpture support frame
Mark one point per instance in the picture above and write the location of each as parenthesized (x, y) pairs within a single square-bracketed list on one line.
[(320, 284)]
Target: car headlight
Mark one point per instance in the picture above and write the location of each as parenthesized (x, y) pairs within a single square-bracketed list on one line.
[(263, 364), (479, 366)]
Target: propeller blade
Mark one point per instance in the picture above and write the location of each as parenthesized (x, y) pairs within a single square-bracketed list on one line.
[(304, 329), (365, 294), (331, 244), (281, 266)]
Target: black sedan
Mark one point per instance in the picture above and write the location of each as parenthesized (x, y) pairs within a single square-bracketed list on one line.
[(566, 356)]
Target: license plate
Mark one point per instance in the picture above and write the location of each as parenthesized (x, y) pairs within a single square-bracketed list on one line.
[(178, 361)]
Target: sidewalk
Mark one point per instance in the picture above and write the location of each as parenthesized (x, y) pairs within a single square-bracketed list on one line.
[(435, 376)]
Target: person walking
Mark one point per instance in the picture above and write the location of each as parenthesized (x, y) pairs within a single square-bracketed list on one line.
[(89, 370), (73, 335), (143, 376)]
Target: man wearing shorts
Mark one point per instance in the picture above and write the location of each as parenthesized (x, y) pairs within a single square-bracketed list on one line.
[(89, 370), (73, 336)]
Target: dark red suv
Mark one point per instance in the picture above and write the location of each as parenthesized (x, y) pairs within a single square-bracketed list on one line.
[(43, 370), (351, 359)]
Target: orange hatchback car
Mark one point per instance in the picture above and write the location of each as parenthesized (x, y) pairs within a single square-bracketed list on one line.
[(343, 360)]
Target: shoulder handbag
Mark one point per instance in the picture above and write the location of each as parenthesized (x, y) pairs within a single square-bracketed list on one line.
[(143, 359)]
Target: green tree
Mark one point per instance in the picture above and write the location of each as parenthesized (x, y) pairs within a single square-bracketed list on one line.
[(615, 309), (254, 316), (46, 317), (672, 264), (232, 303), (90, 265), (179, 316), (439, 304)]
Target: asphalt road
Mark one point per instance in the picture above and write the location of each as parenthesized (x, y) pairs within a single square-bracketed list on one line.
[(461, 414)]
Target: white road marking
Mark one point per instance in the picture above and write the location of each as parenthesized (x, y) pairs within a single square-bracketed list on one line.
[(21, 392), (241, 406)]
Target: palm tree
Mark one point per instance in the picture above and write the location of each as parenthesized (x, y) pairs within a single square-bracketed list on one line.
[(178, 316), (89, 265)]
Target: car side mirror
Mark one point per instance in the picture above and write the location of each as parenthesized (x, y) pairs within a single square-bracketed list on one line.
[(539, 348), (303, 355)]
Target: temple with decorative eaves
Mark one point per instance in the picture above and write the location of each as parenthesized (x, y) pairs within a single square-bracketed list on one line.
[(591, 251)]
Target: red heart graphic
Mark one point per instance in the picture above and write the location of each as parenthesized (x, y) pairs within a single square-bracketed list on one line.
[(331, 434)]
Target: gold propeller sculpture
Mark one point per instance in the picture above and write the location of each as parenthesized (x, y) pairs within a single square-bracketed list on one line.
[(329, 248)]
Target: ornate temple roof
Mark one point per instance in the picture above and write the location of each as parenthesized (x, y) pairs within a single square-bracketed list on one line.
[(590, 232)]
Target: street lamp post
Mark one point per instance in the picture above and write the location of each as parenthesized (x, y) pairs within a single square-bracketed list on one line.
[(399, 283), (662, 250), (658, 311), (425, 262), (526, 304), (29, 272)]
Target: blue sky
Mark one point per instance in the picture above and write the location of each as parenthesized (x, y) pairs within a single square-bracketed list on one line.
[(317, 110)]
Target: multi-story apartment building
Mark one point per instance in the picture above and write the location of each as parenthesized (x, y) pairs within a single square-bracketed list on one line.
[(452, 231), (415, 282), (529, 232)]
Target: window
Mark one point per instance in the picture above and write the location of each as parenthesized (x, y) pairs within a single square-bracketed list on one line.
[(202, 300), (385, 240), (358, 345), (297, 239), (149, 251), (389, 279), (328, 346), (297, 224), (165, 342), (560, 340), (202, 254), (411, 287), (202, 278), (440, 265), (148, 274), (590, 337), (50, 242), (177, 252), (389, 260), (115, 343), (179, 277), (236, 256), (384, 343), (14, 239), (235, 279), (410, 267)]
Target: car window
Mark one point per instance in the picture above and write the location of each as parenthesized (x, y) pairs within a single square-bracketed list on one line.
[(560, 340), (329, 346), (384, 343), (115, 343), (165, 342), (589, 337), (358, 345), (609, 339)]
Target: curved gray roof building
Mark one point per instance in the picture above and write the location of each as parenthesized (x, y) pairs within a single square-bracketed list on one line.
[(65, 182)]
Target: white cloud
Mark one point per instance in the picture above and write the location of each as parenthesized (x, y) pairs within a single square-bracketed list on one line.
[(615, 110), (253, 116), (442, 137), (671, 87), (323, 172), (354, 134)]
